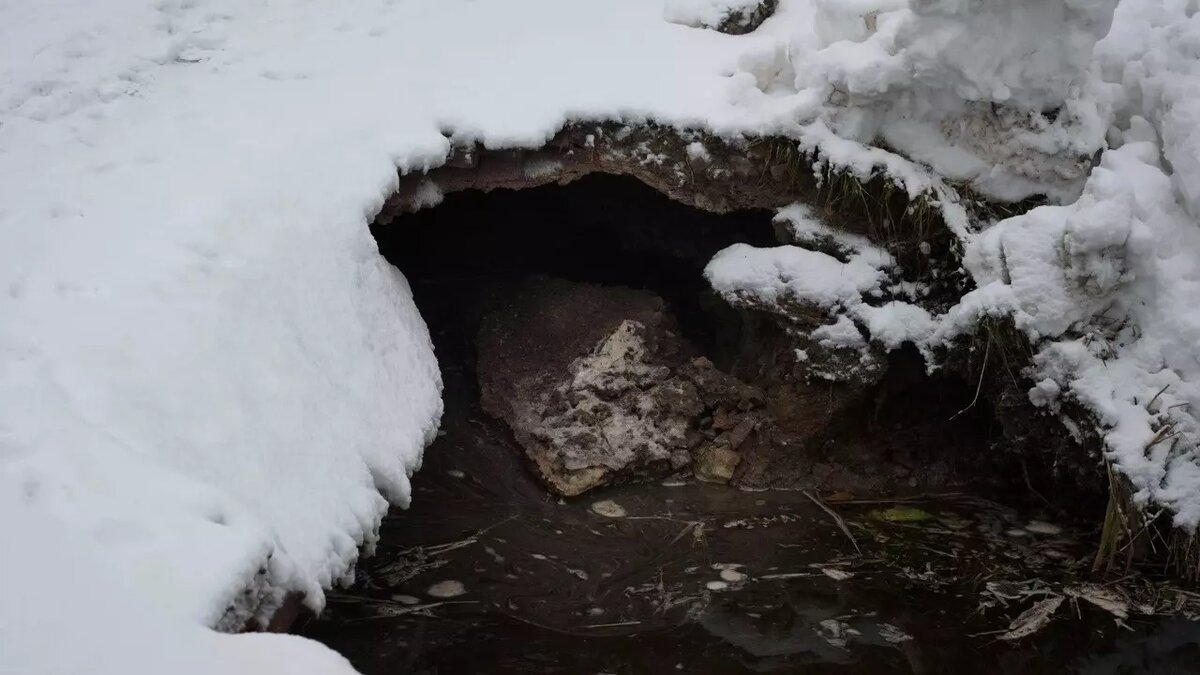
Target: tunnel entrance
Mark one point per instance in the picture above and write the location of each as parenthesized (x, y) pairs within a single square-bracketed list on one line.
[(477, 251), (872, 558), (473, 248)]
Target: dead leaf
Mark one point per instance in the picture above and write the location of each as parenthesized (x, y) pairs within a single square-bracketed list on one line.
[(1033, 619)]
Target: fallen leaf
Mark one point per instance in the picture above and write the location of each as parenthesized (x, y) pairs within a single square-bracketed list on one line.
[(1033, 619)]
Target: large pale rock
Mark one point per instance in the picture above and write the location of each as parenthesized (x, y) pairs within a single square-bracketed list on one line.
[(597, 385)]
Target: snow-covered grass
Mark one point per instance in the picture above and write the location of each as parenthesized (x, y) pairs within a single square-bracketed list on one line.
[(210, 380), (1014, 100)]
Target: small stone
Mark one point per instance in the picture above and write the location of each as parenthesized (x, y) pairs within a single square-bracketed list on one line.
[(733, 576), (716, 462), (406, 599), (716, 585), (456, 473), (1042, 527), (1016, 533), (741, 432), (608, 508), (723, 419), (446, 589)]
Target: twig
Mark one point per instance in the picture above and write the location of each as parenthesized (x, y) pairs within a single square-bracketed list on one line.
[(836, 518), (987, 350), (789, 575), (1029, 483), (1160, 393), (618, 624)]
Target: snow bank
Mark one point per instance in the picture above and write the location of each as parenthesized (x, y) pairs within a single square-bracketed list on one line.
[(1017, 97), (1110, 282), (109, 627), (840, 281), (210, 381)]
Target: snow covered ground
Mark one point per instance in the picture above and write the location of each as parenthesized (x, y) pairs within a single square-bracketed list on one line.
[(210, 380)]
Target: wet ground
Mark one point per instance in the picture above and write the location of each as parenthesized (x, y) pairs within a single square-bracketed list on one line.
[(486, 573)]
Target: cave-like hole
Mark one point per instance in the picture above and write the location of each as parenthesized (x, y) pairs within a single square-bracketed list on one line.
[(475, 246), (489, 567), (473, 250)]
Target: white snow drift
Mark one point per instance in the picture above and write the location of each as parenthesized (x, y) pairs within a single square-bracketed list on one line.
[(209, 380)]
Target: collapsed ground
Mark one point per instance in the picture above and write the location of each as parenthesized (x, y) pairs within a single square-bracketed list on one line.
[(491, 572)]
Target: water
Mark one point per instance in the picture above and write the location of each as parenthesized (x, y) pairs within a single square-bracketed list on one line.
[(554, 587)]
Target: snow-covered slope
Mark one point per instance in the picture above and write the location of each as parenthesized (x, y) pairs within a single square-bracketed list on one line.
[(209, 376)]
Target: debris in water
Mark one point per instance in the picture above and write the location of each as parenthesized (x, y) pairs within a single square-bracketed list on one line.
[(893, 635), (732, 576), (902, 514), (837, 633), (841, 523), (1033, 619), (495, 556), (456, 473), (716, 585), (1104, 598), (446, 589), (837, 575), (1042, 527), (608, 508), (787, 575), (405, 599)]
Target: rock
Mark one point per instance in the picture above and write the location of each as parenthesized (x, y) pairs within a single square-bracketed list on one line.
[(747, 19), (736, 18), (732, 576), (608, 508), (596, 385), (716, 462)]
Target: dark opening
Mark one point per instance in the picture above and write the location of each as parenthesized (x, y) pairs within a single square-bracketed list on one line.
[(602, 229), (465, 256)]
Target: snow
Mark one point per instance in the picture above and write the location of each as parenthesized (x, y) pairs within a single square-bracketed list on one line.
[(792, 273), (211, 382), (1016, 98), (109, 627), (706, 13), (839, 272)]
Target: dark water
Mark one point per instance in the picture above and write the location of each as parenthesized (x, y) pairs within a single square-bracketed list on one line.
[(552, 587)]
